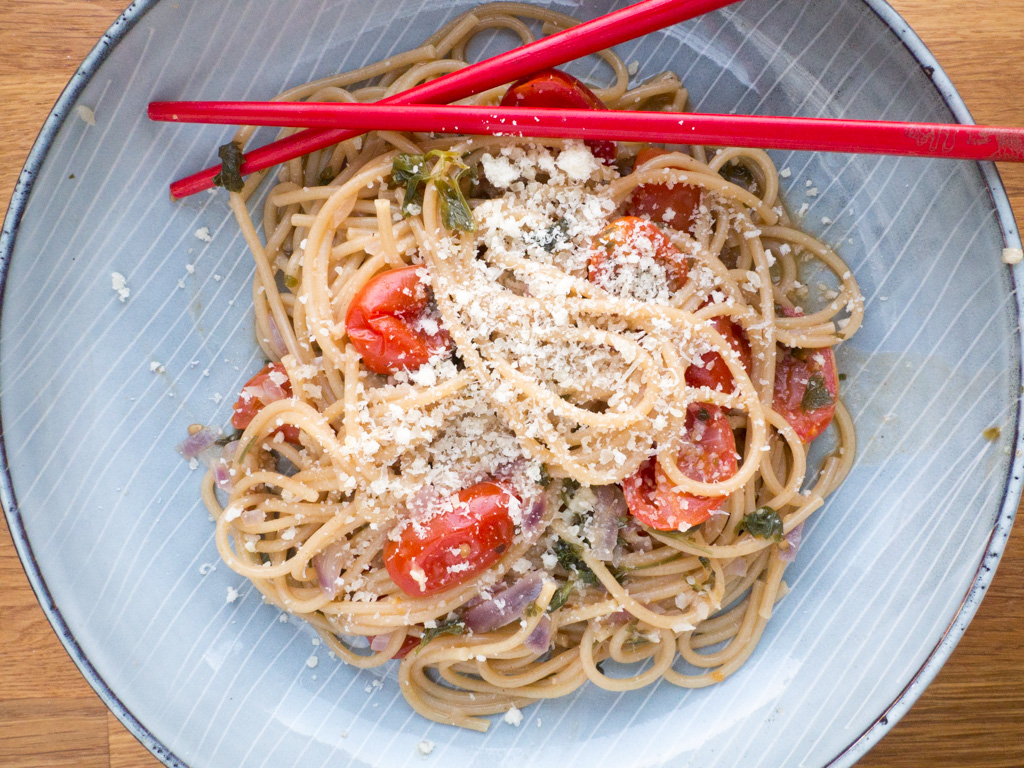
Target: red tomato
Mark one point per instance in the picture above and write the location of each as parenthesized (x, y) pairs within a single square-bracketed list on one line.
[(385, 323), (637, 235), (707, 453), (452, 546), (553, 88), (711, 371), (261, 390), (795, 369), (656, 200)]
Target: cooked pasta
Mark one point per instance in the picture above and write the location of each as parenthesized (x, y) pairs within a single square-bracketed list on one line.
[(535, 406)]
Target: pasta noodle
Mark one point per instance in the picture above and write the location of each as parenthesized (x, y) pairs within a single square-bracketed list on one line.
[(563, 368)]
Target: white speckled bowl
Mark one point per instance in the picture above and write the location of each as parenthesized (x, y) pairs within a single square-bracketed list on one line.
[(107, 519)]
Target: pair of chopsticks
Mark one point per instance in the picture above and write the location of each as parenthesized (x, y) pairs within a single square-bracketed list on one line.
[(423, 110)]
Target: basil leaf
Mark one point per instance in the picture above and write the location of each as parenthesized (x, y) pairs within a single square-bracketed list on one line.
[(553, 237), (816, 395), (327, 175), (455, 212), (570, 559), (404, 168), (230, 176), (561, 596), (449, 627), (763, 523)]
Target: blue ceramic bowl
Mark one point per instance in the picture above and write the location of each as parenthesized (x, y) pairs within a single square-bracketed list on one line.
[(96, 392)]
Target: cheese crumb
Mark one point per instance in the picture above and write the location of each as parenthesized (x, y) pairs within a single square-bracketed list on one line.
[(156, 367), (118, 283), (86, 115), (1012, 255), (785, 173), (514, 716), (203, 233), (312, 661), (232, 594), (425, 747)]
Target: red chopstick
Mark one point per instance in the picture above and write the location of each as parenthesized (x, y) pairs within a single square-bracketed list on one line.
[(603, 32), (970, 142)]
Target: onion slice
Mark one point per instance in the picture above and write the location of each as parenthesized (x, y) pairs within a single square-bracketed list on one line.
[(793, 538), (603, 527), (506, 606), (195, 444), (329, 564), (540, 639)]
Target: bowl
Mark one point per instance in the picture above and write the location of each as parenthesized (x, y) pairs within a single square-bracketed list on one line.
[(97, 390)]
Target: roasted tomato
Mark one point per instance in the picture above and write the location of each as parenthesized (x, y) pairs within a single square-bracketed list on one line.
[(806, 389), (673, 204), (707, 453), (389, 325), (466, 535), (711, 370), (269, 385), (625, 243), (552, 88)]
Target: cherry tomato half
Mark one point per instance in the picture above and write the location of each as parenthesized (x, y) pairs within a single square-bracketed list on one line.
[(711, 370), (675, 205), (806, 389), (467, 536), (630, 236), (707, 453), (268, 386), (387, 323), (554, 88)]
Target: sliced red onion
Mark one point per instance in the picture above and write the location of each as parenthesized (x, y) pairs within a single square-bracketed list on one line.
[(276, 340), (794, 537), (736, 567), (222, 475), (603, 528), (379, 643), (540, 639), (329, 564), (230, 450), (637, 538), (533, 516), (253, 516), (505, 607), (195, 444)]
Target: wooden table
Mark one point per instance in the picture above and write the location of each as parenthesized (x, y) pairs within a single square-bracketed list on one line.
[(972, 715)]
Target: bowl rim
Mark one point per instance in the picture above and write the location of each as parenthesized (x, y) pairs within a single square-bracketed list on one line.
[(862, 743)]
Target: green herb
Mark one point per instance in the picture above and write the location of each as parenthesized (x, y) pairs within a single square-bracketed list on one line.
[(71, 176), (552, 237), (452, 626), (705, 562), (569, 488), (816, 395), (245, 451), (842, 377), (703, 414), (225, 439), (412, 172), (545, 477), (327, 175), (569, 558), (561, 596), (291, 282), (991, 434), (740, 175), (763, 523), (455, 212), (230, 176), (531, 610)]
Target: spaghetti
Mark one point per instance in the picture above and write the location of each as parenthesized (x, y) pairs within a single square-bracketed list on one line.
[(535, 405)]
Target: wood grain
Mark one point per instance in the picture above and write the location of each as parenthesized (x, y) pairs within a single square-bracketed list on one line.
[(971, 716)]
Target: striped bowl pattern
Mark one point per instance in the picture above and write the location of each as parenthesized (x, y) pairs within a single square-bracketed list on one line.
[(96, 392)]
